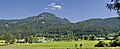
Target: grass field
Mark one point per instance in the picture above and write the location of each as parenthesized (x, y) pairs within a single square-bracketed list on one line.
[(54, 45), (60, 44)]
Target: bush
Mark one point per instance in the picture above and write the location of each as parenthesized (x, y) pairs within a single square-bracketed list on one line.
[(116, 42), (102, 44)]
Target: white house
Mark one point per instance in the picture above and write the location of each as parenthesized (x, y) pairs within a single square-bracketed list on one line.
[(110, 38), (100, 38), (41, 39), (20, 41)]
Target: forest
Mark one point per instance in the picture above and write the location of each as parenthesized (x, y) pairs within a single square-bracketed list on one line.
[(52, 27)]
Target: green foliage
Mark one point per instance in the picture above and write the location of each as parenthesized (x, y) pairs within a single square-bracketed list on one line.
[(92, 37), (31, 39), (115, 5), (10, 39), (102, 44), (116, 42)]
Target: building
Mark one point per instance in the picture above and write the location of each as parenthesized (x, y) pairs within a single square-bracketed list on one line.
[(20, 41), (41, 39), (100, 38), (110, 38)]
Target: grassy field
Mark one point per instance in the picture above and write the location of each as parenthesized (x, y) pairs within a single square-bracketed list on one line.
[(54, 45), (60, 44)]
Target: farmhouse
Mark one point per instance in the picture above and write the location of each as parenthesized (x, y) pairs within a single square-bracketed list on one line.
[(20, 41), (110, 38), (100, 38), (41, 39)]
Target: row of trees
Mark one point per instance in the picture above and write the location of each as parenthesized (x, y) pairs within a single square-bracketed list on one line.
[(10, 38), (113, 43)]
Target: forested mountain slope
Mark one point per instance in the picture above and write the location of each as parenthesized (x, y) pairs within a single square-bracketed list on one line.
[(49, 25)]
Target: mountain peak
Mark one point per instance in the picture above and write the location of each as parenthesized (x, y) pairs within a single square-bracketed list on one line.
[(46, 15)]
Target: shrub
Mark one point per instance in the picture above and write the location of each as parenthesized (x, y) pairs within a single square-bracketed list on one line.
[(116, 42), (102, 44)]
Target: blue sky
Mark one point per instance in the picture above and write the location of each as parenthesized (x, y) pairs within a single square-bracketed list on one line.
[(74, 10)]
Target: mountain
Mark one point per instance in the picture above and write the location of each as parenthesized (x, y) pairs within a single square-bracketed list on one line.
[(97, 25), (49, 25), (46, 17), (32, 25)]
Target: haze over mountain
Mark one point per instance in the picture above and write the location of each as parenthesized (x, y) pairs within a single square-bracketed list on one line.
[(48, 24)]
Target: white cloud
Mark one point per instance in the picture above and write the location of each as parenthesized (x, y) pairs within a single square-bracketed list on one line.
[(55, 6), (46, 8)]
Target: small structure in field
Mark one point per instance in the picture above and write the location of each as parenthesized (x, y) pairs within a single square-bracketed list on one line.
[(41, 39), (110, 38), (20, 41), (100, 38)]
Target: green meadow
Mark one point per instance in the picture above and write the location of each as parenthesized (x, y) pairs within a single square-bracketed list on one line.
[(60, 44), (56, 45)]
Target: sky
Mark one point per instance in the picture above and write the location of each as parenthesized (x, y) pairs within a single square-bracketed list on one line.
[(73, 10)]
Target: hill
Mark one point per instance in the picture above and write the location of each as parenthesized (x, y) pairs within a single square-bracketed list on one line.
[(97, 25), (45, 23), (49, 25)]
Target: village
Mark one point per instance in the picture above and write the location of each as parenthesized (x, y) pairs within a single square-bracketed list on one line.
[(45, 40)]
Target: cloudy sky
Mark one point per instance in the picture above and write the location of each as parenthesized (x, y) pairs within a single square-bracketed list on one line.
[(74, 10)]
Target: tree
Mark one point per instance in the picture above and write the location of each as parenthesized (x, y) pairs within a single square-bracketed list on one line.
[(116, 42), (31, 39), (86, 37), (92, 37), (115, 5), (102, 44), (75, 45), (117, 34), (10, 39)]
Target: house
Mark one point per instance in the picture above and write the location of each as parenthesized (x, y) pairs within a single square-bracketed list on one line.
[(41, 39), (20, 41), (100, 38), (110, 38)]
